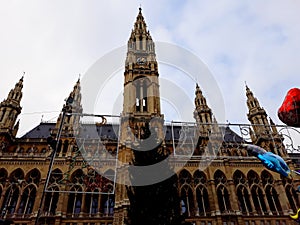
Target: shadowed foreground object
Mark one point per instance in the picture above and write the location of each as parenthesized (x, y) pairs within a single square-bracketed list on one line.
[(289, 111), (269, 160)]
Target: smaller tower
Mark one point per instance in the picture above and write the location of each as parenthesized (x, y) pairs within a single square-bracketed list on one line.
[(71, 121), (257, 115), (264, 132), (202, 113), (9, 110)]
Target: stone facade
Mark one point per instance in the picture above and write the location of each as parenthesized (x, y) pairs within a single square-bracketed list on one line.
[(218, 182)]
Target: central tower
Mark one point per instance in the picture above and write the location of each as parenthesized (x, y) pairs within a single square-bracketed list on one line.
[(141, 125), (141, 105)]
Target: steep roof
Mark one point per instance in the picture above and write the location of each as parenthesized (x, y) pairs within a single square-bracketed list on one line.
[(110, 132)]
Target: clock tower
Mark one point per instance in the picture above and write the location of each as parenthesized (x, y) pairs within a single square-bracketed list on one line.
[(141, 125)]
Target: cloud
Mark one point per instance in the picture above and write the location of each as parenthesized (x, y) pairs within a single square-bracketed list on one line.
[(54, 41)]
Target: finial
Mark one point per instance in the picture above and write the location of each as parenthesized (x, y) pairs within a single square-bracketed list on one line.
[(42, 118), (140, 8), (23, 75), (79, 76)]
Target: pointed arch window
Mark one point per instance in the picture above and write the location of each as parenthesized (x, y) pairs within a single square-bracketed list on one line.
[(10, 199), (27, 200), (92, 201), (51, 197), (292, 197), (223, 198), (273, 200), (252, 178), (242, 192), (107, 207), (222, 192), (187, 200), (244, 200), (75, 200), (51, 200), (258, 200), (141, 102), (202, 200)]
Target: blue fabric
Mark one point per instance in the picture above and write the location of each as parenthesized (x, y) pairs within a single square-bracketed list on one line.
[(270, 160)]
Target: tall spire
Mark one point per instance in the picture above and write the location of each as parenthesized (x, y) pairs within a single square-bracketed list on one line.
[(10, 109), (265, 133), (141, 86), (71, 122), (202, 113), (140, 39)]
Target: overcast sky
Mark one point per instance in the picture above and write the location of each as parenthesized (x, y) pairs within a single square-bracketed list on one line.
[(257, 42)]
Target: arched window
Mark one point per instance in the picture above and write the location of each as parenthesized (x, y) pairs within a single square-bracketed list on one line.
[(92, 201), (273, 200), (258, 200), (222, 192), (242, 192), (77, 177), (27, 200), (75, 200), (200, 183), (33, 176), (266, 178), (252, 178), (107, 206), (16, 176), (219, 177), (141, 86), (202, 200), (223, 198), (65, 147), (12, 193), (244, 200), (51, 199), (186, 193), (187, 200), (292, 197), (10, 199)]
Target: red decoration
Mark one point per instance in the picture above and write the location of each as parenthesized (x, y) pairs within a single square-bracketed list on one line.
[(289, 111)]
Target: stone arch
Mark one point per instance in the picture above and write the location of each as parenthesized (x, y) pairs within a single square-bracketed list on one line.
[(33, 176), (253, 178)]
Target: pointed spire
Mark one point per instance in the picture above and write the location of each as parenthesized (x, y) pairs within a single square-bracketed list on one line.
[(10, 109), (140, 39), (71, 123), (198, 90), (15, 94), (252, 102), (202, 111)]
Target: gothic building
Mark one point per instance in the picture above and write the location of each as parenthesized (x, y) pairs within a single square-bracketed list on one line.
[(218, 183)]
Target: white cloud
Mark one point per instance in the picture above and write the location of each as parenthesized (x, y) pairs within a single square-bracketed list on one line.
[(54, 41)]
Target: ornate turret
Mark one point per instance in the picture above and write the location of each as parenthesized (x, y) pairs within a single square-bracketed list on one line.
[(10, 109), (71, 122), (202, 113), (264, 132)]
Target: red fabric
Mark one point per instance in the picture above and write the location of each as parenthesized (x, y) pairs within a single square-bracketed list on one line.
[(289, 111)]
